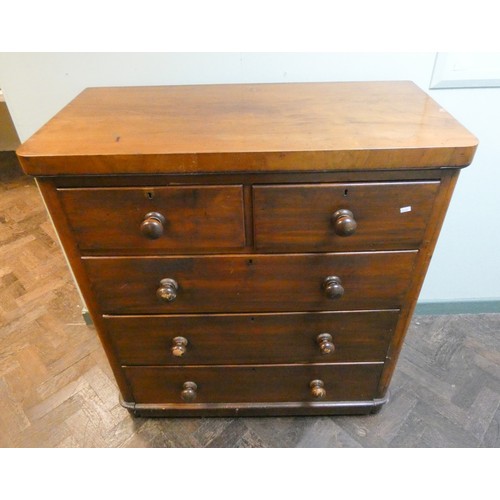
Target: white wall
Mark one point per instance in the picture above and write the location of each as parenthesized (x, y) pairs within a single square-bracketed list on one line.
[(466, 263)]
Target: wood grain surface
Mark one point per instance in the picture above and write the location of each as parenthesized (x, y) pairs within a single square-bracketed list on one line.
[(250, 127), (196, 218), (254, 383), (252, 283), (298, 217), (252, 338)]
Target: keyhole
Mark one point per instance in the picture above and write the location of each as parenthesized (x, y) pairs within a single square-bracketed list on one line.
[(345, 192), (149, 195)]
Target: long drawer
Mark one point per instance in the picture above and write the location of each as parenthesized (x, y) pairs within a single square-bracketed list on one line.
[(251, 283), (341, 217), (256, 338), (156, 219), (253, 383)]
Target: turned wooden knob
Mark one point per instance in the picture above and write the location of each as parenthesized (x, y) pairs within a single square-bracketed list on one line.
[(189, 391), (343, 222), (325, 343), (179, 346), (168, 290), (152, 225), (317, 389), (332, 286)]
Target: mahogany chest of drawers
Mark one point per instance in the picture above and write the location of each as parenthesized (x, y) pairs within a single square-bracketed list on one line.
[(250, 249)]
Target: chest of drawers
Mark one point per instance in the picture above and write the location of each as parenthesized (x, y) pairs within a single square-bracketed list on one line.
[(250, 249)]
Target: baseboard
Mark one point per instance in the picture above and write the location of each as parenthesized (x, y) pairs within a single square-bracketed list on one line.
[(458, 307)]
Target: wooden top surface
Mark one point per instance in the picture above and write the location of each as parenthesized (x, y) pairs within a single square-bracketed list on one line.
[(248, 127)]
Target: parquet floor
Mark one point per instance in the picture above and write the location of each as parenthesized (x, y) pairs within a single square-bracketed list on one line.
[(56, 389)]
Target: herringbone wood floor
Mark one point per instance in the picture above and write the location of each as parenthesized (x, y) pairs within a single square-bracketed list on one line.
[(56, 389)]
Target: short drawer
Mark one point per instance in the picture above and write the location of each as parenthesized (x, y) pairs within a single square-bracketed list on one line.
[(185, 219), (250, 283), (339, 217), (257, 338), (253, 383)]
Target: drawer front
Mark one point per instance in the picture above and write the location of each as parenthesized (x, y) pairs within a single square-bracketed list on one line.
[(254, 383), (250, 283), (195, 218), (385, 216), (328, 337)]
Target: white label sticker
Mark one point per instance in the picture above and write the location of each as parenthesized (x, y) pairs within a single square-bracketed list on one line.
[(404, 209)]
